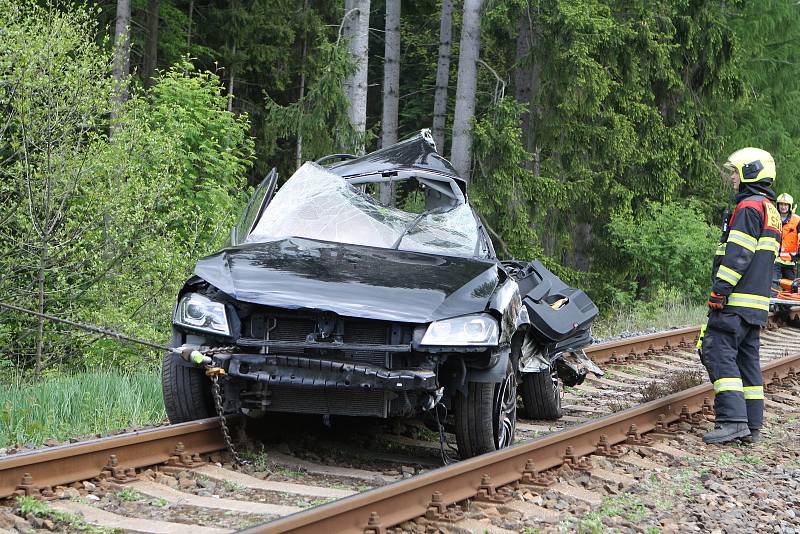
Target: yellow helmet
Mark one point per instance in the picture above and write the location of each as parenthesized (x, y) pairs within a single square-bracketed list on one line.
[(752, 164), (786, 198)]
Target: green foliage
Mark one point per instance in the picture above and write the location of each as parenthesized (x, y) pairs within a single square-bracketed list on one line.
[(61, 406), (666, 308), (665, 246), (102, 229), (623, 116), (625, 505), (503, 188), (211, 147), (766, 117), (31, 505), (505, 191), (129, 495), (320, 117)]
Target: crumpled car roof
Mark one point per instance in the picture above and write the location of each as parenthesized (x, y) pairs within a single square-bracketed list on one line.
[(417, 152)]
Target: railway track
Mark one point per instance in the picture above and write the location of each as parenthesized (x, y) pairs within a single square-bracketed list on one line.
[(180, 478)]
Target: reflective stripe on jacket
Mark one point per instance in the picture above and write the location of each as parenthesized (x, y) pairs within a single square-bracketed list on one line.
[(789, 241), (743, 260)]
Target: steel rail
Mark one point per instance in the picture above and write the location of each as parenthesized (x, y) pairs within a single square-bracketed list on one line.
[(614, 351), (82, 461), (408, 499), (618, 350)]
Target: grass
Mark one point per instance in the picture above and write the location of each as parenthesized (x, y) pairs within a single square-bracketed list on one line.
[(233, 487), (625, 505), (259, 460), (69, 405), (661, 316), (29, 505), (678, 381), (129, 495)]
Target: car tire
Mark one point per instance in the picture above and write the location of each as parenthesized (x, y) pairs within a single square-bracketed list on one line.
[(486, 417), (541, 396), (187, 391)]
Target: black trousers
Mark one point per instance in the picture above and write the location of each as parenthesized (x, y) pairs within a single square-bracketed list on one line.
[(779, 270), (730, 354)]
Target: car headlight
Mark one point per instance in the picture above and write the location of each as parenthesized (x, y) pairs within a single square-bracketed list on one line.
[(459, 331), (201, 313)]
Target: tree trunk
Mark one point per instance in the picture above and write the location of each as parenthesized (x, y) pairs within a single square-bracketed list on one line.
[(299, 148), (461, 155), (151, 44), (40, 294), (357, 34), (442, 74), (391, 73), (122, 49), (391, 86), (122, 62), (231, 81)]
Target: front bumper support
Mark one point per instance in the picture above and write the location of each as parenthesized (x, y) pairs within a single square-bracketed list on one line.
[(314, 372)]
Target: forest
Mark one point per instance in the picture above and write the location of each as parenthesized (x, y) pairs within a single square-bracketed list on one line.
[(592, 134)]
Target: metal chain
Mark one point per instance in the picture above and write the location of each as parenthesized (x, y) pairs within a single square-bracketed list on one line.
[(223, 424)]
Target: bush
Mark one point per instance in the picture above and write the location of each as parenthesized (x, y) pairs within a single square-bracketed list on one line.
[(96, 228), (666, 246)]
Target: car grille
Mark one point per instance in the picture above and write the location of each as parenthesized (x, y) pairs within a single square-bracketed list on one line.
[(328, 401), (288, 326)]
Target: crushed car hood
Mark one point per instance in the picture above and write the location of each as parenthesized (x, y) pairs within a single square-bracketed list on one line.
[(352, 280)]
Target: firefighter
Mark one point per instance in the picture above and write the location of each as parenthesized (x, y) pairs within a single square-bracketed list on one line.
[(739, 299), (787, 257)]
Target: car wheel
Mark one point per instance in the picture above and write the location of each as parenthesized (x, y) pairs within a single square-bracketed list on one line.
[(187, 391), (486, 417), (541, 396)]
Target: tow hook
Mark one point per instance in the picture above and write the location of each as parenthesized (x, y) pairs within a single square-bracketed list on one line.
[(195, 356)]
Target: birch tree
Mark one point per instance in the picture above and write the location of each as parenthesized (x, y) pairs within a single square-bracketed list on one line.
[(122, 50), (391, 86), (356, 31), (442, 74), (461, 155), (391, 73)]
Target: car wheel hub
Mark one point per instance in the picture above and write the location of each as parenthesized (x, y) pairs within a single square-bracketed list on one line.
[(506, 411)]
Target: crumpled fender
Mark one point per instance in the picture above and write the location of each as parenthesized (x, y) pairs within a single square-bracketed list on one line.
[(494, 374), (532, 360)]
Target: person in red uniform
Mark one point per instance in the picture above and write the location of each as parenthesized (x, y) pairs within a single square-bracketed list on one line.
[(739, 299), (785, 263)]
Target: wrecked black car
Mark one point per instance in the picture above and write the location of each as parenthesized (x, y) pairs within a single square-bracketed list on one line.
[(328, 302)]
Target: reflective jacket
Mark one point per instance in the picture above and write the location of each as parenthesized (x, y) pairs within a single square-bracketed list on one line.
[(742, 269), (789, 240)]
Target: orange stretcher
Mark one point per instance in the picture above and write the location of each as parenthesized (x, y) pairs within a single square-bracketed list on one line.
[(788, 293)]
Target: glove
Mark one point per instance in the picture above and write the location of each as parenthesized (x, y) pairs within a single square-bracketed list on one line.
[(716, 301), (699, 343)]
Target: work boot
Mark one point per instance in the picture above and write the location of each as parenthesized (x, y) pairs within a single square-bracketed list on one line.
[(725, 431), (754, 437)]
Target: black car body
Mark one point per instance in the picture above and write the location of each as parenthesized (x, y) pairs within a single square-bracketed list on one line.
[(328, 302)]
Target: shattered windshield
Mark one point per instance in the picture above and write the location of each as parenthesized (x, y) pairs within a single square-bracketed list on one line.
[(317, 204)]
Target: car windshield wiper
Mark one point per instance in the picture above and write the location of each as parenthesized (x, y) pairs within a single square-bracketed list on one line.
[(414, 224)]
